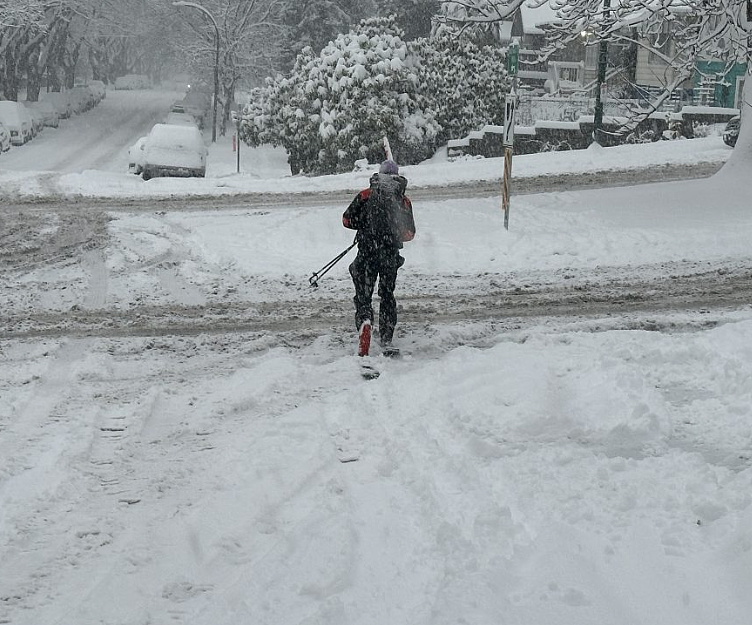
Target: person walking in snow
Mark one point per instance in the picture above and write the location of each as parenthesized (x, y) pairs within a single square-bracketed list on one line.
[(383, 217)]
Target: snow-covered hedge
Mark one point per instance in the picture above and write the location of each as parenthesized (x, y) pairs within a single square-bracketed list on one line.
[(334, 108)]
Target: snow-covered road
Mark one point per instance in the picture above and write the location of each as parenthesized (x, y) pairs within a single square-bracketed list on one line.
[(97, 139)]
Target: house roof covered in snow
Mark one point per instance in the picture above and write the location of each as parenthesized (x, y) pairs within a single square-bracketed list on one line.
[(534, 15)]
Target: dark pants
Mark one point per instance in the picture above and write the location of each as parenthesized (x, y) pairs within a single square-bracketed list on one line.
[(382, 262)]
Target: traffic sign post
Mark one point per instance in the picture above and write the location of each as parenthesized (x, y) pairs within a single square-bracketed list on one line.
[(236, 139), (510, 105)]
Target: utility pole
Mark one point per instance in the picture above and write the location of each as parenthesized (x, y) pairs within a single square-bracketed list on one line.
[(602, 63), (510, 104), (205, 11)]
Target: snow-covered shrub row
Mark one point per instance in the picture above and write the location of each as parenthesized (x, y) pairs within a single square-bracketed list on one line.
[(335, 108)]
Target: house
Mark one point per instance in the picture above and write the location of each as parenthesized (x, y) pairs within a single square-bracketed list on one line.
[(565, 71), (718, 84), (711, 82), (634, 71)]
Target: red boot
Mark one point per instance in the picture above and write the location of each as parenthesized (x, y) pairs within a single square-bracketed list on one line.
[(364, 341)]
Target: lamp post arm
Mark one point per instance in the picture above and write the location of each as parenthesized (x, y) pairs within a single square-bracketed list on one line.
[(204, 10)]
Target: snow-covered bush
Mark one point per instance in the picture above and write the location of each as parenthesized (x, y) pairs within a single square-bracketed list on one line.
[(286, 113), (464, 85), (335, 108)]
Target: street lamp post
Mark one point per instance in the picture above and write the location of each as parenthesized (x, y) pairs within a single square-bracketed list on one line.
[(602, 62), (181, 3)]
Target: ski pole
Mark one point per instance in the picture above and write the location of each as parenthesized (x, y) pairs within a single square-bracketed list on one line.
[(314, 279)]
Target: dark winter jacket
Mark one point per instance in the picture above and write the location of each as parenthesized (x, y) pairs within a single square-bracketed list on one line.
[(366, 211)]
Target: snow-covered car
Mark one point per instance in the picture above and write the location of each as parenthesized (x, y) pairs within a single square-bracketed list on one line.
[(133, 81), (136, 156), (83, 98), (37, 119), (731, 132), (61, 102), (47, 112), (100, 89), (4, 138), (17, 120), (181, 119), (173, 150), (197, 103)]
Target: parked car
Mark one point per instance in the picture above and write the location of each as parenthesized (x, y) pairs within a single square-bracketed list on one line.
[(197, 103), (181, 119), (4, 138), (61, 102), (37, 119), (731, 132), (136, 156), (48, 112), (94, 89), (98, 88), (17, 120), (83, 98), (173, 150)]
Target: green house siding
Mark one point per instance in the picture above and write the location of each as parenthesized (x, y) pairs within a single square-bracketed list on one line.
[(724, 83)]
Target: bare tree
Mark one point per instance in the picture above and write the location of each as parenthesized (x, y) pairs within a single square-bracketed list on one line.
[(250, 38)]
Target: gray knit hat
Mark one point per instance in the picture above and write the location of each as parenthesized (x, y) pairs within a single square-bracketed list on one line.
[(389, 167)]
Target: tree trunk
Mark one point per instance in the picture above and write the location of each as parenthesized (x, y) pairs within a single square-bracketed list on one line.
[(53, 79), (10, 75), (70, 76), (33, 83), (739, 163)]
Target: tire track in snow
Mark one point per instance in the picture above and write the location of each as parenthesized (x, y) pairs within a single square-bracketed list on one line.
[(42, 440), (168, 269), (53, 387), (636, 300)]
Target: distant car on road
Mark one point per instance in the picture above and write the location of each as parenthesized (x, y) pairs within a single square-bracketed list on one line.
[(174, 150), (17, 120), (731, 132)]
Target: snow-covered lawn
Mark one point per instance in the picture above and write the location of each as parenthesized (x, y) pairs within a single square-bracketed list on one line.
[(87, 156), (563, 472)]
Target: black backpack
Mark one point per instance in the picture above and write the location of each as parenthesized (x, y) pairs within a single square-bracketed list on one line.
[(383, 219)]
